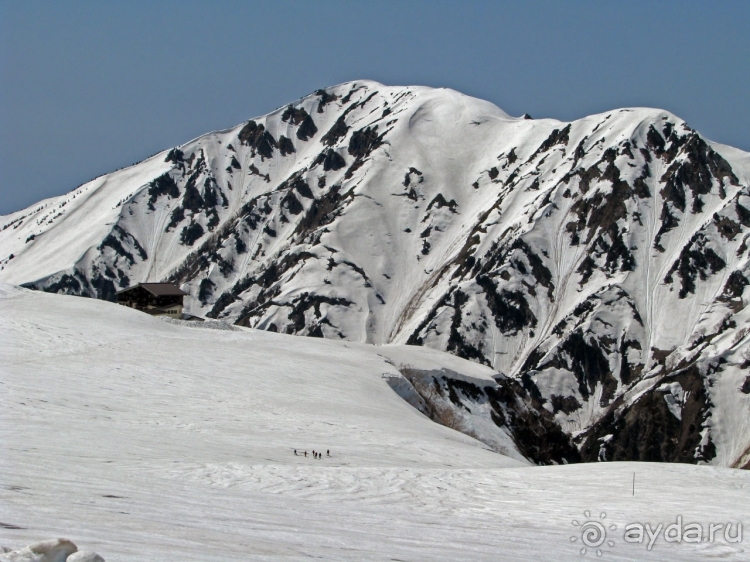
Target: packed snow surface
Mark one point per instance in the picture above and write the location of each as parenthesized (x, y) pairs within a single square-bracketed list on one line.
[(147, 440)]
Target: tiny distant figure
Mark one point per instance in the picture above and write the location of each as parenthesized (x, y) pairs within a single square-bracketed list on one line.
[(295, 452), (328, 453), (305, 453)]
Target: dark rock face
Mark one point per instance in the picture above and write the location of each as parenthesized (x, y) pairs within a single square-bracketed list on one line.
[(439, 202), (325, 99), (457, 344), (330, 159), (190, 234), (286, 146), (206, 290), (175, 155), (300, 117), (300, 305), (163, 185), (364, 141), (696, 171), (114, 241), (558, 136), (735, 286), (336, 133), (66, 285), (590, 367), (650, 431), (697, 259), (510, 309), (450, 400), (567, 404), (260, 140)]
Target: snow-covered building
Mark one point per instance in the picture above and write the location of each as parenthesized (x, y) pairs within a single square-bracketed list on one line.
[(157, 299)]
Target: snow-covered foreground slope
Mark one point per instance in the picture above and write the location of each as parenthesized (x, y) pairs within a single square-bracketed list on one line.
[(147, 440), (600, 264)]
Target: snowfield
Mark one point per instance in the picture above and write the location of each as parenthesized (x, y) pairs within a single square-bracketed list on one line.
[(142, 439)]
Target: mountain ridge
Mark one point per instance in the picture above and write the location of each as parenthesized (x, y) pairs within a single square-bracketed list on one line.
[(601, 263)]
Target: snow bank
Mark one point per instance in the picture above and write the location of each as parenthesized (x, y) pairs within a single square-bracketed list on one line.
[(53, 550)]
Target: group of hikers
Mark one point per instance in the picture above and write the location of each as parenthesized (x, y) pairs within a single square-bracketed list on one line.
[(316, 455)]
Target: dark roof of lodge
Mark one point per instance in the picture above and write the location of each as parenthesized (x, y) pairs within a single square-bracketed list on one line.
[(158, 289)]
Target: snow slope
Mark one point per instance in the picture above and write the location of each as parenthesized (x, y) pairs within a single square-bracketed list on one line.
[(600, 264), (148, 440)]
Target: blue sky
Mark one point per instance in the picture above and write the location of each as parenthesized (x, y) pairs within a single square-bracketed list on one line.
[(89, 87)]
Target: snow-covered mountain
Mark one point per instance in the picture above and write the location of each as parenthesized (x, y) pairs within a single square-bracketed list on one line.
[(599, 266)]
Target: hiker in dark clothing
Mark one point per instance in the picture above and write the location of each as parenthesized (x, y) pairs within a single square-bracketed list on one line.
[(295, 452), (328, 453), (305, 453)]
